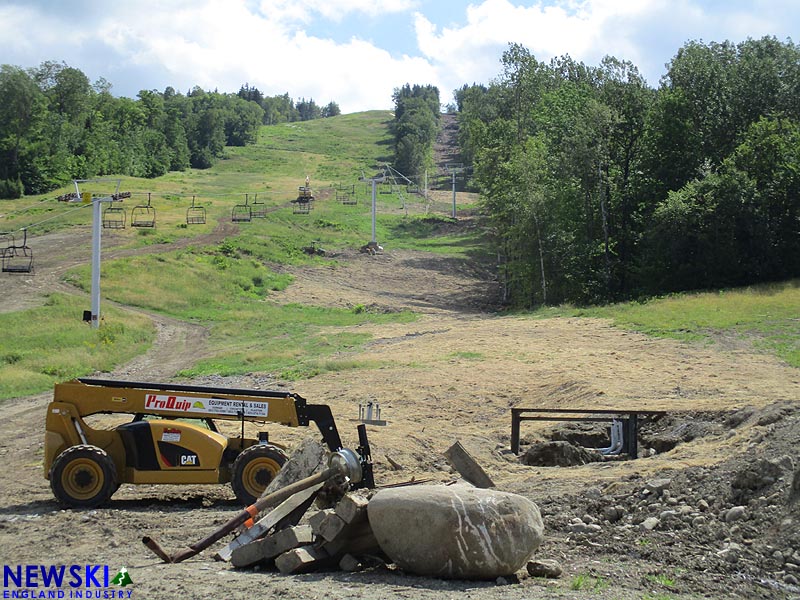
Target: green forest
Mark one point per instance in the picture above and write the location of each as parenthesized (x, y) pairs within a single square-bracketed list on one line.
[(55, 127), (594, 186), (598, 187)]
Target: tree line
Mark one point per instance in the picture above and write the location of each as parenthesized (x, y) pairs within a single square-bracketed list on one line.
[(55, 126), (598, 187), (414, 127), (282, 109)]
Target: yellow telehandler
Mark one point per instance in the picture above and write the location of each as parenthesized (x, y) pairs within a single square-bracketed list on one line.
[(171, 438)]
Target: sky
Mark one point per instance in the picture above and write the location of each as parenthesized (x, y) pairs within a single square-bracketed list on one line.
[(356, 52)]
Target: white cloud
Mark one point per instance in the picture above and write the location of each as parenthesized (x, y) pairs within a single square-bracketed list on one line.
[(237, 46), (276, 46), (305, 10), (646, 32)]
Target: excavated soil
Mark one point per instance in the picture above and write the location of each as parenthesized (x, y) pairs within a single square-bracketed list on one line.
[(733, 426)]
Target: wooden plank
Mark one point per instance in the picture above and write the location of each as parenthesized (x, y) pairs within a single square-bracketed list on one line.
[(317, 519), (303, 560), (263, 525), (360, 541), (267, 548), (469, 469), (331, 527), (352, 508)]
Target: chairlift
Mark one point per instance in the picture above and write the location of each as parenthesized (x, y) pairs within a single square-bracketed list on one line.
[(143, 215), (242, 213), (18, 258), (114, 216), (195, 215), (301, 207), (259, 210)]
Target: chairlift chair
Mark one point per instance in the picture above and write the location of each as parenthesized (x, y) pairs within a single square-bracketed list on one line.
[(302, 206), (195, 215), (18, 258), (242, 213), (114, 217), (259, 209), (143, 215)]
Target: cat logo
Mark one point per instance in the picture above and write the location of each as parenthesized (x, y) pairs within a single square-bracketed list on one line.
[(188, 460)]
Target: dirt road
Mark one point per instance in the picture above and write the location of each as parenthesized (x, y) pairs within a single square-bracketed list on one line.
[(454, 375)]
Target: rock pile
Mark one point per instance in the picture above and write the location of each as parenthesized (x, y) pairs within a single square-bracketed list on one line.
[(744, 521), (453, 532)]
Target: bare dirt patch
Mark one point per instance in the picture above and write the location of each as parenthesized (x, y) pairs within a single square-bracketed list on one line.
[(453, 375)]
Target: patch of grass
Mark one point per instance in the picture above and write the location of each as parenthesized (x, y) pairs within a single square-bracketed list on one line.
[(584, 581), (228, 290), (767, 314), (45, 345), (432, 233), (662, 580), (467, 355)]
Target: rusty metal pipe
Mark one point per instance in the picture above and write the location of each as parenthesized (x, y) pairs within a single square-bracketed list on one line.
[(248, 513)]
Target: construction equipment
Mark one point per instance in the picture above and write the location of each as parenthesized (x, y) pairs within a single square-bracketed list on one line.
[(171, 439), (304, 200)]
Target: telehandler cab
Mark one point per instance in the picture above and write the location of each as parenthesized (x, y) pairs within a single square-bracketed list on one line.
[(172, 438)]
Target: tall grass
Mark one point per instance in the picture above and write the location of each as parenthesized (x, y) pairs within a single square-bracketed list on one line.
[(42, 346)]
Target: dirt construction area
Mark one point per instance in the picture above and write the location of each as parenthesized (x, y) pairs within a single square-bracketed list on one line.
[(710, 510)]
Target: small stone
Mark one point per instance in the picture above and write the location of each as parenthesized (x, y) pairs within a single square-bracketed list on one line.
[(790, 579), (656, 486), (667, 514), (584, 528), (791, 567), (649, 524), (594, 492), (589, 519), (698, 521), (703, 505), (736, 513), (730, 552), (612, 514), (547, 568)]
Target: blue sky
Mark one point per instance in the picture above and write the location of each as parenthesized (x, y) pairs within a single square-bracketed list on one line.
[(356, 52)]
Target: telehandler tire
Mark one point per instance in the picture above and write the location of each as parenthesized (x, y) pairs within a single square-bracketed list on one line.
[(253, 469), (83, 476)]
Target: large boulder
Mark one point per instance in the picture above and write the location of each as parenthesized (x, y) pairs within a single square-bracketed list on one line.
[(456, 532)]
